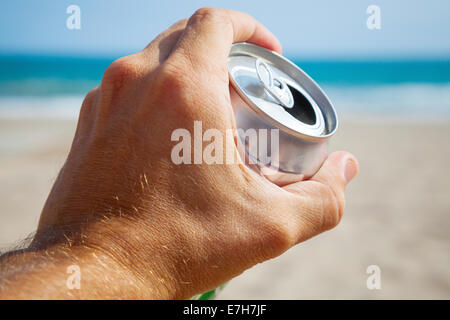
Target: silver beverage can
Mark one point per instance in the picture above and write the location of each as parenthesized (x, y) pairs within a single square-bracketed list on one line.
[(279, 104)]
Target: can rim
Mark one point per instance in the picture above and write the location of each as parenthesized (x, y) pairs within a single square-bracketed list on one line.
[(267, 117)]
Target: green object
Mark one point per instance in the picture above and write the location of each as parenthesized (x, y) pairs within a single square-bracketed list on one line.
[(210, 295)]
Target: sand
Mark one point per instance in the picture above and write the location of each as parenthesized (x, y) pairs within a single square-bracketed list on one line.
[(397, 215)]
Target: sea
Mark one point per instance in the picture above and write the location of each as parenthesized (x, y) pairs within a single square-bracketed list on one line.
[(33, 86)]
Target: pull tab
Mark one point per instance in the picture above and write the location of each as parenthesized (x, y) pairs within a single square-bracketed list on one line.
[(280, 93)]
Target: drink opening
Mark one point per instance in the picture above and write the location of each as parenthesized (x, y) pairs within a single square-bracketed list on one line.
[(302, 109)]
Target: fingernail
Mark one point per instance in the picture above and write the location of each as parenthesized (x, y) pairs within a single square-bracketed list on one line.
[(351, 169)]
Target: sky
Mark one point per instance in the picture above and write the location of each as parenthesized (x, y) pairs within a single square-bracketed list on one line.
[(309, 29)]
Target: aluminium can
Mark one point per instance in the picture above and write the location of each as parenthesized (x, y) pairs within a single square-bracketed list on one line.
[(271, 94)]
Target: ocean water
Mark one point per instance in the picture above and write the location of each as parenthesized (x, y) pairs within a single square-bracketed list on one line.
[(37, 86)]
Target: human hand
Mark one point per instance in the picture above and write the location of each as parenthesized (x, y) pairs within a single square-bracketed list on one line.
[(177, 230)]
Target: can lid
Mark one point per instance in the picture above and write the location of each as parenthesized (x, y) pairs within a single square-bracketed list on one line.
[(280, 92)]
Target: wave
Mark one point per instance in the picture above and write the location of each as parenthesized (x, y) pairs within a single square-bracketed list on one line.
[(408, 100), (67, 107), (400, 100)]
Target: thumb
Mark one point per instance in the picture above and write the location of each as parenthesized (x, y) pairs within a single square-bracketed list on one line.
[(321, 199)]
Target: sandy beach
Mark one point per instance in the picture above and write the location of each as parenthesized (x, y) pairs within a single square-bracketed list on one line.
[(397, 214)]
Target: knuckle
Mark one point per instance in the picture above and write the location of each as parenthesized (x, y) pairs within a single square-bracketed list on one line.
[(205, 12), (88, 102), (333, 203), (281, 235), (210, 14), (121, 72), (180, 23)]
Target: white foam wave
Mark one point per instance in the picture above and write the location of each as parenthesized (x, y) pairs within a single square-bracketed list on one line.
[(404, 100), (67, 107)]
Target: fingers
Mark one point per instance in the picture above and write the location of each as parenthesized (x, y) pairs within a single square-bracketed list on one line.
[(210, 33), (147, 60), (206, 38), (320, 201), (160, 48)]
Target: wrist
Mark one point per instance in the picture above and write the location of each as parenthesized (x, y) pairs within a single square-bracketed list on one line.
[(151, 246)]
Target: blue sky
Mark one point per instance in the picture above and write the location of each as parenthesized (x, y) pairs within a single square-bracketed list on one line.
[(313, 29)]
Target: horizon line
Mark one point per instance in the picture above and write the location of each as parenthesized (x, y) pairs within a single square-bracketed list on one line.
[(290, 55)]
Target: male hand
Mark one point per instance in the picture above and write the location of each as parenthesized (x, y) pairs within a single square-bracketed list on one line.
[(141, 226)]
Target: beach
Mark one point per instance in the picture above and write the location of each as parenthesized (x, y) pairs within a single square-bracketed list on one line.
[(397, 213), (384, 66)]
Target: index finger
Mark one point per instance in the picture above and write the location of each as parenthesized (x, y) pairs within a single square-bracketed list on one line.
[(210, 32)]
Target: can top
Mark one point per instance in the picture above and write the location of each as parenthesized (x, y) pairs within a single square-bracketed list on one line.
[(280, 92)]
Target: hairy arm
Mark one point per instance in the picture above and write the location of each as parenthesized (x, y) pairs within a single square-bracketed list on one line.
[(70, 270)]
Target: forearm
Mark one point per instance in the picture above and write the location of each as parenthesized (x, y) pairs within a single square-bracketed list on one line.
[(77, 271)]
